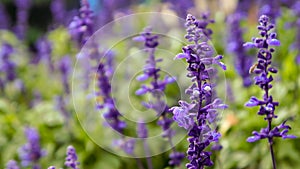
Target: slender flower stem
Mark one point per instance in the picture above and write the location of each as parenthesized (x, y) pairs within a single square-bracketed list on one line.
[(139, 163), (270, 140), (149, 161)]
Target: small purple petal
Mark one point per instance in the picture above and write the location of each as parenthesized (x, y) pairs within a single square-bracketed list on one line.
[(141, 91), (139, 39), (142, 77), (253, 139), (273, 42), (249, 45), (181, 56), (289, 137)]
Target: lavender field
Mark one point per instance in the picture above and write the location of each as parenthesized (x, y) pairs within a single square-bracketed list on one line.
[(149, 84)]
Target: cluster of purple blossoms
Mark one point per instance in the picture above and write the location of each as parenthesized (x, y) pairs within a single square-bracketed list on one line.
[(81, 27), (7, 66), (264, 70), (158, 85), (31, 152), (242, 61), (199, 115), (22, 17), (71, 159)]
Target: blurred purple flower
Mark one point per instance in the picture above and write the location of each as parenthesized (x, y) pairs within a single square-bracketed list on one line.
[(111, 114), (158, 85), (7, 66), (4, 19), (31, 152), (44, 50), (58, 11), (81, 27), (270, 8), (181, 7), (22, 17), (242, 61), (126, 145), (61, 106), (142, 131), (65, 68), (71, 159), (12, 164)]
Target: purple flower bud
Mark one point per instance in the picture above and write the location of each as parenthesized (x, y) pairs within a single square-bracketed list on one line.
[(142, 77), (141, 91), (273, 42), (71, 159), (253, 139), (12, 164), (249, 45)]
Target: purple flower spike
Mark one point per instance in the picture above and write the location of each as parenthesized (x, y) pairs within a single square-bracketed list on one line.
[(71, 159), (58, 11), (12, 164), (51, 167), (176, 158), (111, 114), (157, 86), (65, 67), (7, 66), (81, 27), (198, 115), (31, 152), (264, 70), (22, 17)]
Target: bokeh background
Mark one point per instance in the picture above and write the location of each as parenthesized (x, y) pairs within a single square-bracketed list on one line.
[(37, 95)]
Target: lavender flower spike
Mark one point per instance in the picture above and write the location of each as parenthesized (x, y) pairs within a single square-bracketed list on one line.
[(158, 85), (242, 61), (81, 27), (31, 152), (12, 164), (199, 115), (71, 159), (264, 70), (111, 114)]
